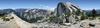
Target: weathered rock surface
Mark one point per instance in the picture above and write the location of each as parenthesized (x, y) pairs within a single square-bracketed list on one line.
[(71, 11)]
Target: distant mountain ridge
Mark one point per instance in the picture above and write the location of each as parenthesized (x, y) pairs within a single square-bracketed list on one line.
[(27, 14), (32, 14), (89, 12)]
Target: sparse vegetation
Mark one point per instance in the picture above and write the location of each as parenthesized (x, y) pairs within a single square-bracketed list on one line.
[(83, 16), (4, 19), (55, 19), (12, 17), (78, 12), (33, 20)]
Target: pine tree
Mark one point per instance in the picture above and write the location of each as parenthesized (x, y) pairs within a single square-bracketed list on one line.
[(93, 13)]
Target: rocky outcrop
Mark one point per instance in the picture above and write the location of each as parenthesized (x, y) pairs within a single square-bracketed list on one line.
[(66, 8), (70, 11)]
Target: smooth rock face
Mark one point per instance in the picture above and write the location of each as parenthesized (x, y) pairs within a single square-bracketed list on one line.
[(62, 9), (67, 9)]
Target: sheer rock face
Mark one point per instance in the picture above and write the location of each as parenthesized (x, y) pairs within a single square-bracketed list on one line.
[(61, 9), (67, 9)]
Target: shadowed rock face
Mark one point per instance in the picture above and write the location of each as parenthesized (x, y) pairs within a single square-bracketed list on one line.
[(62, 8)]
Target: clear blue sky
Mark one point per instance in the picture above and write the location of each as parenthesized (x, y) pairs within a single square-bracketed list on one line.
[(48, 4)]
